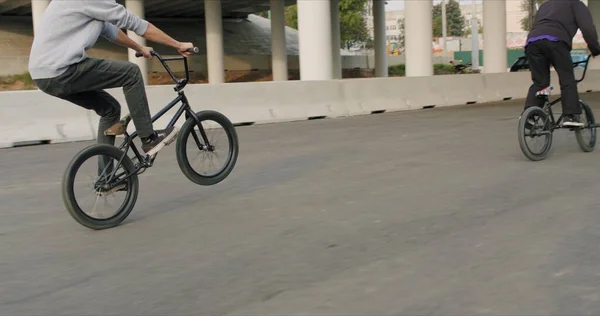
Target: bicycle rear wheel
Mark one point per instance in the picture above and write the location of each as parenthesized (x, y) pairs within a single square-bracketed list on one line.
[(535, 125), (586, 135), (101, 186), (214, 141)]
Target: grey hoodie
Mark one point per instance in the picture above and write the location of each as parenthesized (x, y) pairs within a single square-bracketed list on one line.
[(68, 28)]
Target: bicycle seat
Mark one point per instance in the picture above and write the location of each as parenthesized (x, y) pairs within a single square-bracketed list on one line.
[(544, 92)]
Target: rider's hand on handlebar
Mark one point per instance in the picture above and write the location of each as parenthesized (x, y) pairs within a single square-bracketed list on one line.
[(146, 52), (184, 49)]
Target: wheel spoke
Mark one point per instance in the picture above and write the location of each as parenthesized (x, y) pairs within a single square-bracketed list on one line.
[(203, 173), (103, 210)]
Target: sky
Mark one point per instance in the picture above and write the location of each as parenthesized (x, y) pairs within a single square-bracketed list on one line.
[(399, 4)]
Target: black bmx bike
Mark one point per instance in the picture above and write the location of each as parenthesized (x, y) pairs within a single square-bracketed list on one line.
[(112, 178), (537, 124)]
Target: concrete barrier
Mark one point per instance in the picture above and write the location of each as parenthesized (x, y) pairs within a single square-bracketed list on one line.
[(32, 116)]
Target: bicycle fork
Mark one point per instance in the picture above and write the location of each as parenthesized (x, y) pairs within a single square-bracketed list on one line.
[(208, 147)]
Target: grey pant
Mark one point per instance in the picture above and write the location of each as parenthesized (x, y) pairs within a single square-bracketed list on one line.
[(83, 84)]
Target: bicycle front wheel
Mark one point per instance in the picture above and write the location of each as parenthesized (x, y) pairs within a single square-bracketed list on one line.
[(586, 135), (100, 179), (535, 133), (207, 152)]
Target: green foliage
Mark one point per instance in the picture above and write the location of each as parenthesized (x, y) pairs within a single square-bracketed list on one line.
[(352, 23), (468, 29), (397, 70), (438, 69), (24, 77), (454, 17), (456, 21), (291, 16), (443, 69), (526, 6)]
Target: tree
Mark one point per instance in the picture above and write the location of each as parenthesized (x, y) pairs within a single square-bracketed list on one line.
[(291, 16), (526, 6), (454, 17), (352, 23), (401, 32), (468, 29)]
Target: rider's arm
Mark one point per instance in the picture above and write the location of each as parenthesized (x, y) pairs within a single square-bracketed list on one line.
[(154, 34), (124, 40), (114, 34), (114, 13), (585, 22), (110, 32)]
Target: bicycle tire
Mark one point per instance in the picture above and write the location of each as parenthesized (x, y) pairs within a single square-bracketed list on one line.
[(531, 111), (68, 187), (587, 146), (181, 150)]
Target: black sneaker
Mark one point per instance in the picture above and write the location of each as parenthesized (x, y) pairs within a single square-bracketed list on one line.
[(572, 120), (156, 142)]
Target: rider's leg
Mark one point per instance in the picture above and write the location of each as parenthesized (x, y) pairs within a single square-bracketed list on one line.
[(109, 110), (105, 105), (539, 66), (563, 64), (98, 74)]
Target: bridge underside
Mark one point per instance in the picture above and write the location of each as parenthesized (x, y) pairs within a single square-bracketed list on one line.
[(164, 8)]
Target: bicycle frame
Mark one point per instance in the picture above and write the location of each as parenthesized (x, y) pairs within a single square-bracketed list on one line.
[(145, 161), (548, 105)]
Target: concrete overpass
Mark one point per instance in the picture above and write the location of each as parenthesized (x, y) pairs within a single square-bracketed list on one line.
[(319, 32), (164, 8), (319, 35)]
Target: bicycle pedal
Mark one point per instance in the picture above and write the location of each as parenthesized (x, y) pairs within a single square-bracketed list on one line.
[(115, 130), (118, 128)]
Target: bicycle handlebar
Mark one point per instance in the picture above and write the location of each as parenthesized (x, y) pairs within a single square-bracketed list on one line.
[(181, 83), (193, 50)]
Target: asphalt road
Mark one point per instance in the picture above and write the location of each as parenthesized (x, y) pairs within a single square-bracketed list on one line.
[(427, 212)]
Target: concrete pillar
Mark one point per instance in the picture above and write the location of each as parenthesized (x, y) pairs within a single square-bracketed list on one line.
[(314, 40), (418, 38), (381, 68), (38, 7), (214, 41), (474, 38), (278, 41), (137, 7), (494, 36), (445, 28), (336, 39), (594, 7)]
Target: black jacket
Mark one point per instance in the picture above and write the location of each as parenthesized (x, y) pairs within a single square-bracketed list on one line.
[(562, 18)]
